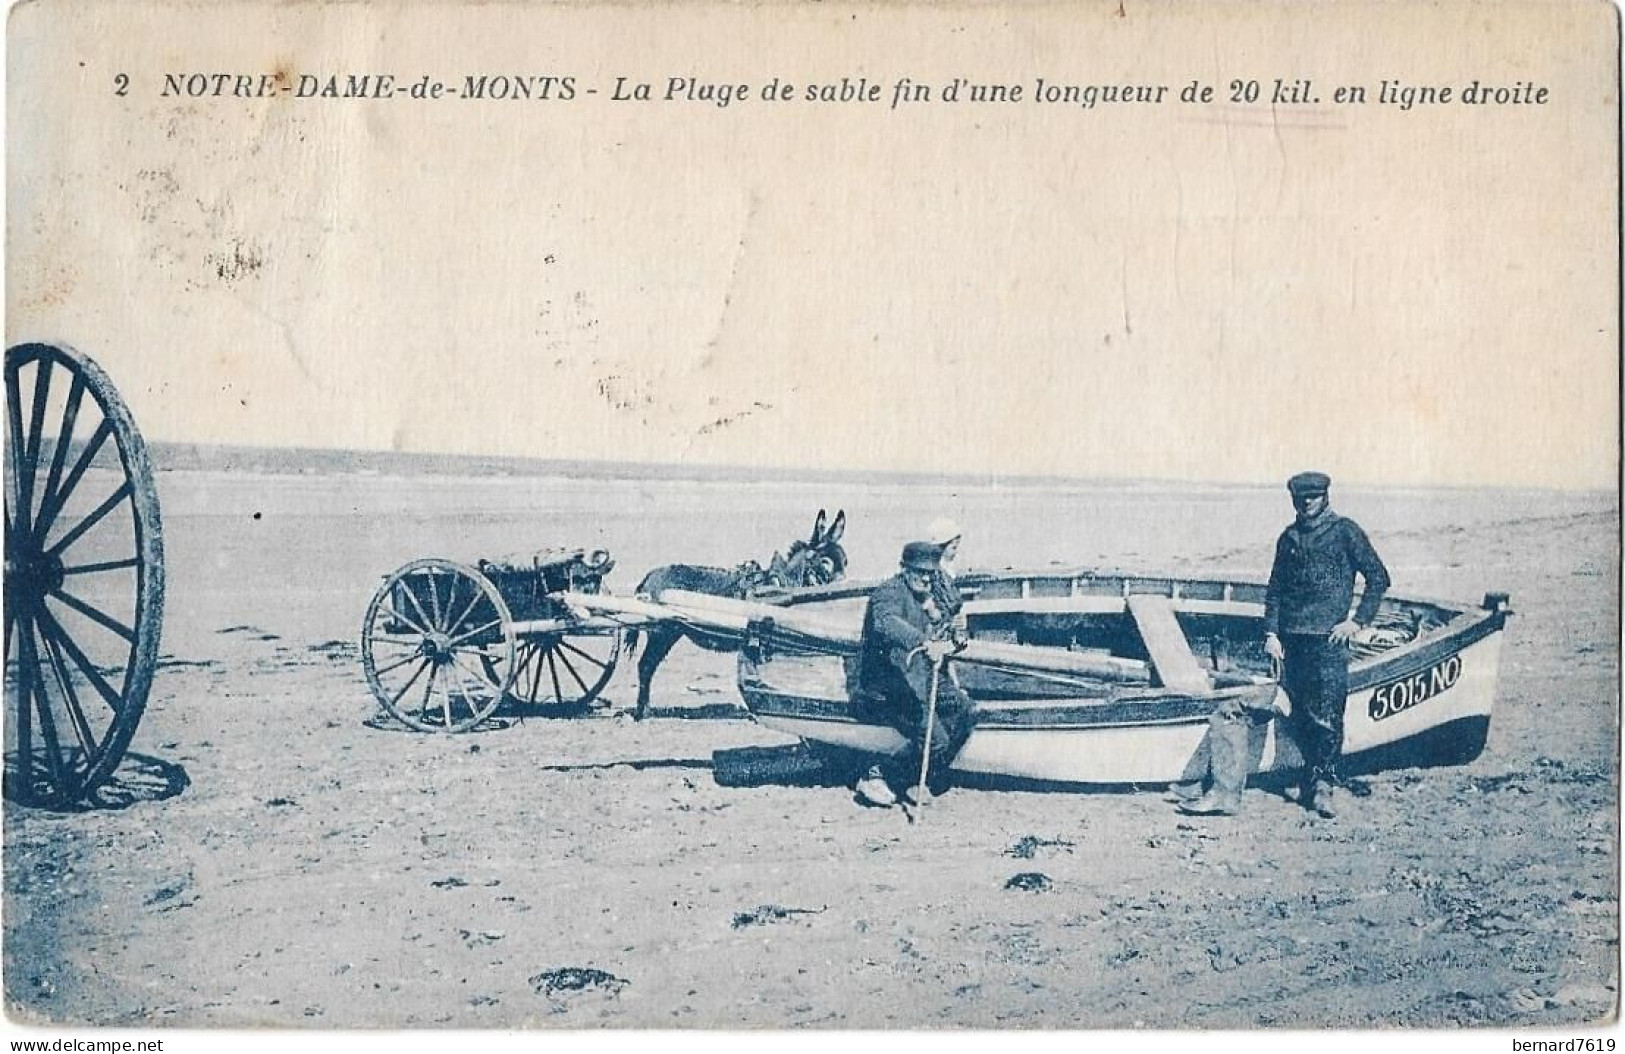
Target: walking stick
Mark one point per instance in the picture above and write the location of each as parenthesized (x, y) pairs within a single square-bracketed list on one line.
[(930, 727)]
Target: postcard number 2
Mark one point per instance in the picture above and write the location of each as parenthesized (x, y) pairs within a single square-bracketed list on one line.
[(121, 84)]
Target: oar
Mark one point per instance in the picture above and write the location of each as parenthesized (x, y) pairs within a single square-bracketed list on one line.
[(930, 727)]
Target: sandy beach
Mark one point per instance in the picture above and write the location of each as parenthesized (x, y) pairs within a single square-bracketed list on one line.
[(279, 853)]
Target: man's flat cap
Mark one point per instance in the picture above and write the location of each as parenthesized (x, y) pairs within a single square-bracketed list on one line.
[(922, 556), (1309, 483)]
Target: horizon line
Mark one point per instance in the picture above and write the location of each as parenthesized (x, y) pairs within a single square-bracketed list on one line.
[(621, 469)]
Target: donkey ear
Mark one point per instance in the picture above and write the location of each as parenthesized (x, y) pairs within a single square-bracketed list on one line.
[(817, 538), (836, 529)]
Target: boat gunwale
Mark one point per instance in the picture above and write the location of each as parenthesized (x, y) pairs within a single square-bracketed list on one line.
[(852, 589), (1470, 623)]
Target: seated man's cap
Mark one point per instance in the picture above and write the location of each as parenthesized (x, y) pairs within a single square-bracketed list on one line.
[(922, 556), (942, 531), (1309, 483)]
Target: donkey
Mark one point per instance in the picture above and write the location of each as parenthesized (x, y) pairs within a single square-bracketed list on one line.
[(817, 561)]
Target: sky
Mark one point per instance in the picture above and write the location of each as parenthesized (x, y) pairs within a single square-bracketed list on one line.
[(1225, 291)]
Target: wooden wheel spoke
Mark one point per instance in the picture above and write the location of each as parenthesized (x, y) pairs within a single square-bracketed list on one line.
[(536, 656), (527, 659), (105, 565), (451, 602), (445, 699), (467, 609), (397, 664), (64, 439), (386, 609), (50, 626), (553, 671), (89, 521), (36, 425), (96, 615), (476, 690), (569, 666), (25, 701), (415, 643), (14, 452), (428, 687), (482, 691), (434, 602), (460, 638), (566, 644), (456, 683), (47, 723), (59, 498), (410, 681), (411, 596), (70, 698), (482, 682), (540, 667)]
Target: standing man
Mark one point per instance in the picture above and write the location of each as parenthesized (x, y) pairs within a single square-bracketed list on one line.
[(902, 644), (1308, 627)]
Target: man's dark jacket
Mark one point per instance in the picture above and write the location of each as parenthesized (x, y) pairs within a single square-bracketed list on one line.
[(894, 624), (1312, 583)]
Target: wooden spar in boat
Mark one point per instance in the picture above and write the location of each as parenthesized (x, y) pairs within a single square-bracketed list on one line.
[(735, 616), (1165, 642), (986, 653)]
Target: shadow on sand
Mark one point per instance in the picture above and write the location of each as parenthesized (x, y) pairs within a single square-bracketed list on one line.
[(791, 765), (798, 765), (384, 722), (638, 764), (702, 712), (140, 778), (512, 713)]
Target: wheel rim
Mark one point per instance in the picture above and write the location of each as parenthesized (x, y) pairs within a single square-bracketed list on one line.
[(438, 646), (84, 583), (564, 669)]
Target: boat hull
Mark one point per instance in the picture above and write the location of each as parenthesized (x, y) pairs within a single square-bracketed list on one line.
[(1426, 703)]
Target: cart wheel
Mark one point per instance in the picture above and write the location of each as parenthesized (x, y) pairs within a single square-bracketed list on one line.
[(564, 669), (84, 584), (438, 646)]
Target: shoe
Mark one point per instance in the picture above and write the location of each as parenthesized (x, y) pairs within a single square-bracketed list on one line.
[(911, 795), (872, 790), (1178, 792), (1210, 805), (1324, 803)]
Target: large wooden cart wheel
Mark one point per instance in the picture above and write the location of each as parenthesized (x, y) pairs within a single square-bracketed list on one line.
[(84, 585), (438, 646), (565, 669)]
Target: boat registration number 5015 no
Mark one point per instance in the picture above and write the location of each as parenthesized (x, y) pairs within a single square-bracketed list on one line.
[(1398, 696)]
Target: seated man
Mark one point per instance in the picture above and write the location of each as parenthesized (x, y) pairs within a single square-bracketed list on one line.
[(904, 641)]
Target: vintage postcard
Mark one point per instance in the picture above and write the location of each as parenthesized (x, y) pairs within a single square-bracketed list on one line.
[(715, 515)]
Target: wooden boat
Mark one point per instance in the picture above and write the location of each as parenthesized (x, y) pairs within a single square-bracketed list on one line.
[(1103, 678)]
